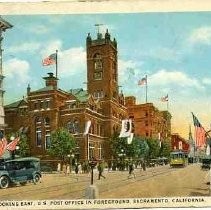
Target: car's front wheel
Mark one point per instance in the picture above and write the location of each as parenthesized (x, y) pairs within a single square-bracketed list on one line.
[(4, 182), (36, 178)]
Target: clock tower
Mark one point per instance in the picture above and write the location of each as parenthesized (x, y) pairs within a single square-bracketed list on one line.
[(102, 75), (102, 79)]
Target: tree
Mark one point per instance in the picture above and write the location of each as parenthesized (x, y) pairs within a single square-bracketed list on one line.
[(23, 144), (154, 148), (165, 148), (137, 149), (62, 143)]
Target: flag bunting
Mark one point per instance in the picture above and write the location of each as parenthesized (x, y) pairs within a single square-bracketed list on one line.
[(87, 127), (199, 132), (12, 145), (126, 128), (3, 145)]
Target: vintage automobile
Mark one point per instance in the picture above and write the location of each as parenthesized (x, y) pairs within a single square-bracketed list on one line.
[(19, 171), (205, 163)]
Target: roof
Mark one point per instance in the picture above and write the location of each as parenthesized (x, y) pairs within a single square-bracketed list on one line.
[(15, 104), (80, 94), (47, 88), (4, 24)]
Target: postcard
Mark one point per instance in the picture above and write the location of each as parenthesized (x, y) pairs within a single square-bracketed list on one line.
[(105, 104)]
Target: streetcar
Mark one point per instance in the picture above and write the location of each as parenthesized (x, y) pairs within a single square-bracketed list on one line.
[(178, 158)]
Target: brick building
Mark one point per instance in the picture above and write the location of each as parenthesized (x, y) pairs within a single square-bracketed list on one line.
[(48, 108), (179, 143), (43, 111), (148, 120)]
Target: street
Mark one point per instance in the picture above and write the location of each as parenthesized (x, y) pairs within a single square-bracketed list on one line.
[(157, 181)]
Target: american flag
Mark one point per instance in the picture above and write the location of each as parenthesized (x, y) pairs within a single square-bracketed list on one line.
[(3, 145), (12, 145), (51, 59), (142, 81), (199, 132), (164, 98)]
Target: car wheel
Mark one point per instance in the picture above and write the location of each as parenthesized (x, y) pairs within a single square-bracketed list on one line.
[(4, 182), (36, 178)]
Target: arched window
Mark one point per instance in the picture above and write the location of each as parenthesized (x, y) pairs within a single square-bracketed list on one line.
[(73, 126), (38, 120), (98, 67)]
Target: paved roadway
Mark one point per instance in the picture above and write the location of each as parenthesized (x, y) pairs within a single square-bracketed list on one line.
[(155, 182)]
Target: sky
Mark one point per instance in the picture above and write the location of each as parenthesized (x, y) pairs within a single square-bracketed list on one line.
[(172, 49)]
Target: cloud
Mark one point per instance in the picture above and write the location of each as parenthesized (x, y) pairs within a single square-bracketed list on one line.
[(165, 54), (201, 35), (25, 47), (17, 71), (72, 61), (51, 47), (39, 29), (164, 77), (206, 81)]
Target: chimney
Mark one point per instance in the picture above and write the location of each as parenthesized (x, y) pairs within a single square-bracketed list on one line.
[(51, 80)]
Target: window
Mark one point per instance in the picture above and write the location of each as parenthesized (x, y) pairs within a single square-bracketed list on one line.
[(73, 126), (47, 104), (100, 151), (41, 105), (146, 123), (38, 120), (47, 121), (91, 151), (98, 64), (47, 140), (36, 105), (98, 75), (38, 137)]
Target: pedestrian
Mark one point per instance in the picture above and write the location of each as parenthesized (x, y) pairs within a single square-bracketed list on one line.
[(131, 170), (64, 168), (59, 167), (144, 166), (76, 168), (100, 169), (68, 169)]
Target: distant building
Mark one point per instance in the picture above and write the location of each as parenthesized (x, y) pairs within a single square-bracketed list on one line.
[(148, 120), (179, 143)]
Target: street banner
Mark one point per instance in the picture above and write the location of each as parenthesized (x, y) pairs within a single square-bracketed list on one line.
[(130, 138), (87, 127), (126, 128)]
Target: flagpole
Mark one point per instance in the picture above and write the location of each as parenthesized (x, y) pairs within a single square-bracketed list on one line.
[(146, 88), (56, 63), (88, 146)]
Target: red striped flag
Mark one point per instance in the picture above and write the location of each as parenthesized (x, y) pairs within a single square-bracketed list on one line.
[(51, 59), (12, 145), (3, 145), (142, 81), (199, 132)]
